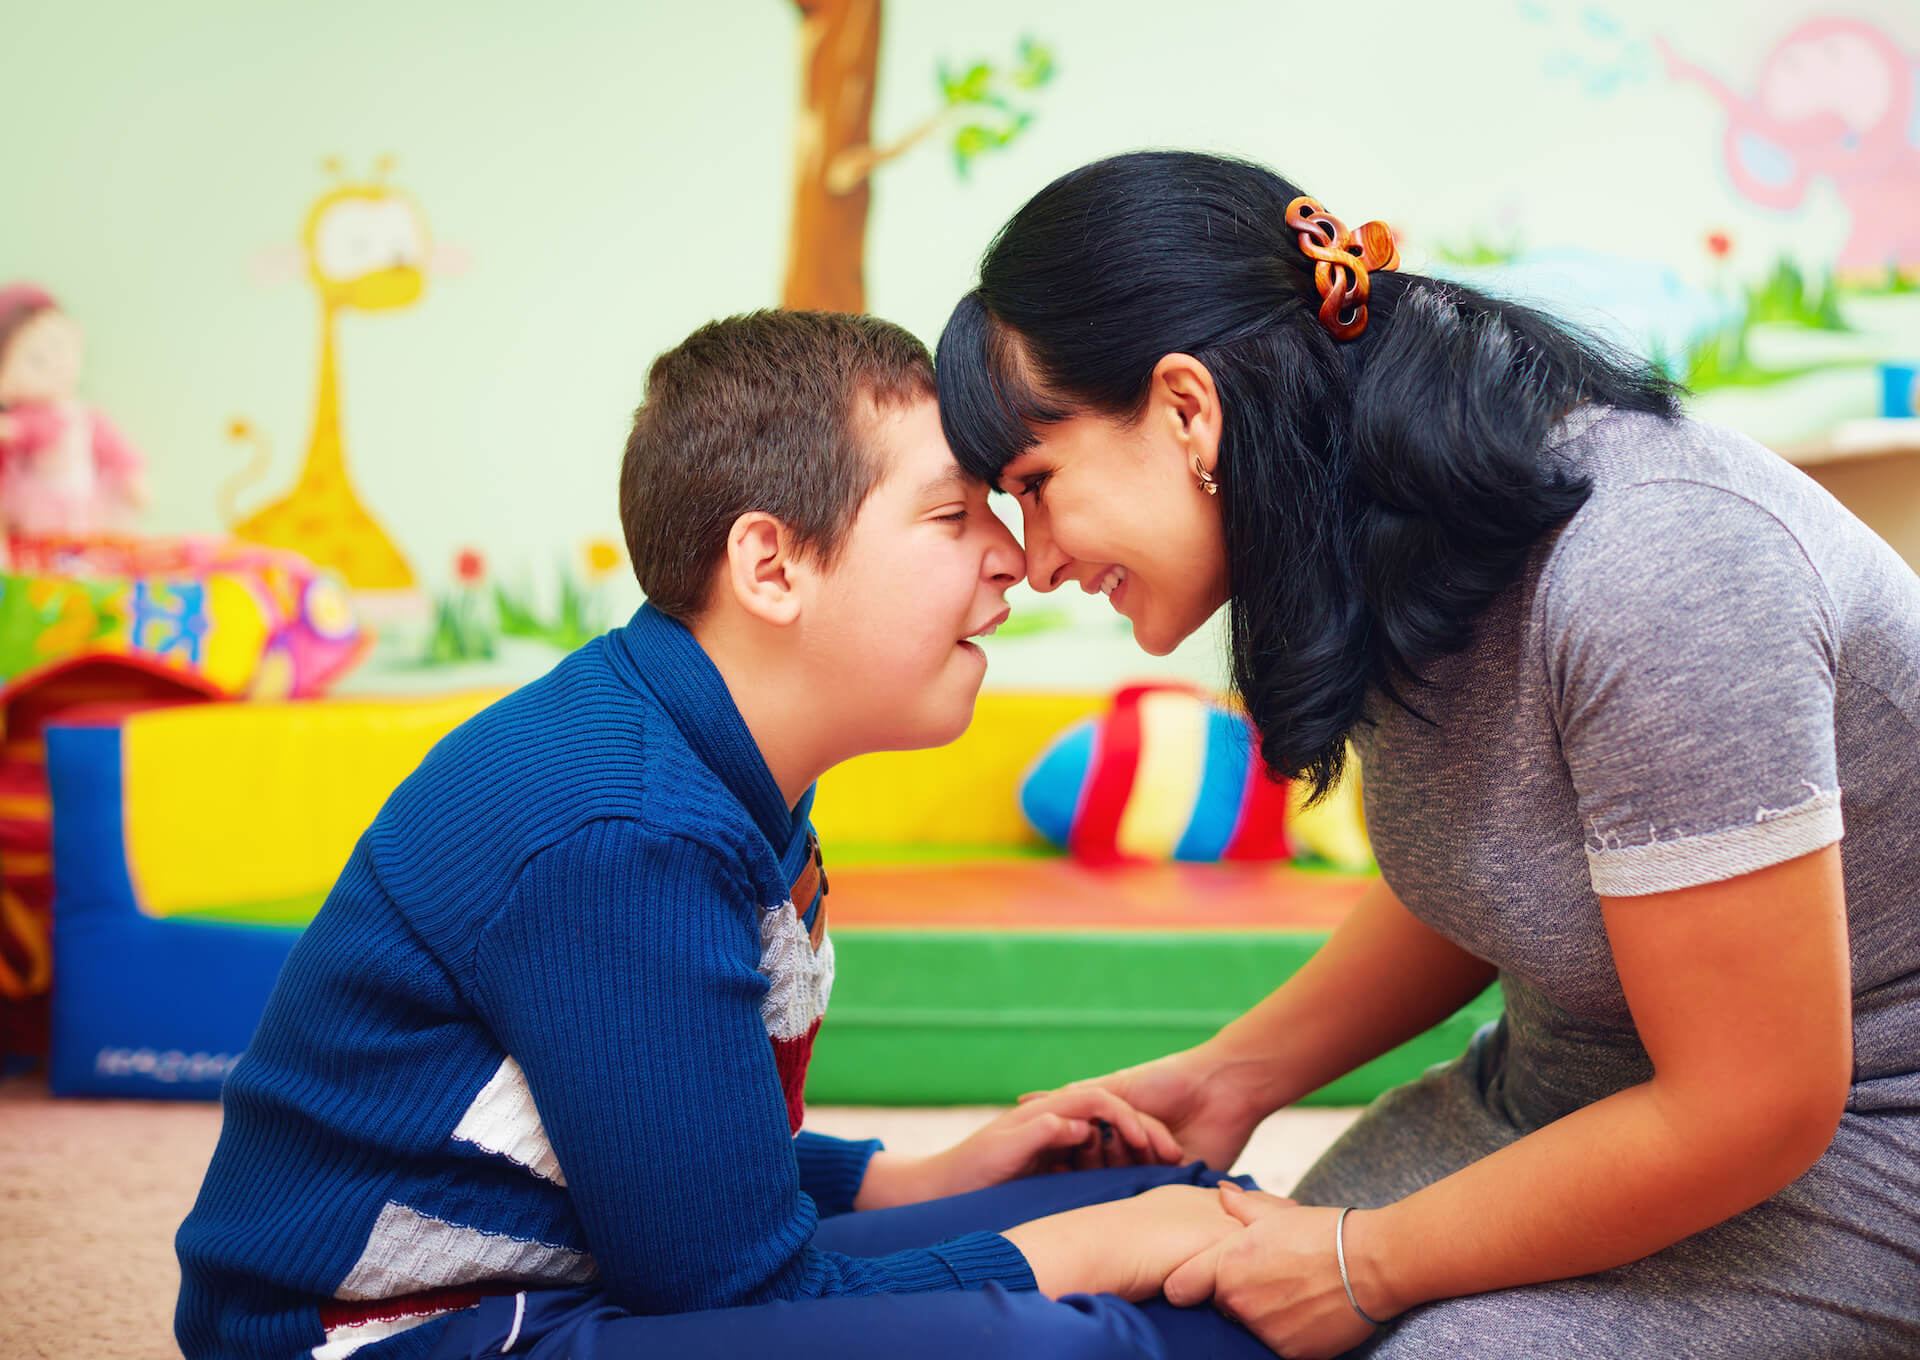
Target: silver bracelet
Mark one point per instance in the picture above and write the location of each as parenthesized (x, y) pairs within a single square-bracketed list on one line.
[(1340, 1254)]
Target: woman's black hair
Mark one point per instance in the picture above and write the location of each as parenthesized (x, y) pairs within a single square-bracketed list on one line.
[(1376, 494)]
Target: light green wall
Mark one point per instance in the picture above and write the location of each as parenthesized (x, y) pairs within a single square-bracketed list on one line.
[(618, 172)]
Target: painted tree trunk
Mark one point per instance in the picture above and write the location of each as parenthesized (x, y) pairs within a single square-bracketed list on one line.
[(826, 243)]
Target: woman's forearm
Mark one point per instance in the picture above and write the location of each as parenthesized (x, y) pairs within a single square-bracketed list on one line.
[(1381, 979), (1609, 1184)]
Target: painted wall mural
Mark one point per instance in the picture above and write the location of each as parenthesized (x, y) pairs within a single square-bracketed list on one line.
[(1782, 341), (983, 108), (364, 247), (1836, 100)]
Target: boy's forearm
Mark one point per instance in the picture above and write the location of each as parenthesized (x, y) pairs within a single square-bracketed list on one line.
[(1058, 1252), (1125, 1246), (1383, 978), (895, 1178), (892, 1179)]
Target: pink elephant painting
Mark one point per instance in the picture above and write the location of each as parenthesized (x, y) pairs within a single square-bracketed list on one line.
[(1836, 99)]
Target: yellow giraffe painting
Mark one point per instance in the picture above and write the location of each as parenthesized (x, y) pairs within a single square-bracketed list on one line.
[(365, 248)]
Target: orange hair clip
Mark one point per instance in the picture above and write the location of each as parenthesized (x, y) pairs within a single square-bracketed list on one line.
[(1342, 260)]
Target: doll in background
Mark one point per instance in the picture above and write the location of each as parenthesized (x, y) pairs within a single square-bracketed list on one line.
[(65, 471)]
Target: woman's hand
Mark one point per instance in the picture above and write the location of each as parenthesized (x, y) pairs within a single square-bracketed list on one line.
[(1212, 1105), (1126, 1247), (1079, 1126), (1280, 1279)]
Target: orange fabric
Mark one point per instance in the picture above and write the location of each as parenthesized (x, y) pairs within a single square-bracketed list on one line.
[(1061, 895)]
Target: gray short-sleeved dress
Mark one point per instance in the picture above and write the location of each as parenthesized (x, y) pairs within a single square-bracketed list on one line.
[(1701, 674)]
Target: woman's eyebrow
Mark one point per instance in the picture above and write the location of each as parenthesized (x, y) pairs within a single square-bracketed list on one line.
[(1011, 472)]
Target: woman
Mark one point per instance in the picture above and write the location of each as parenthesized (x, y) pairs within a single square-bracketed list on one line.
[(1608, 671)]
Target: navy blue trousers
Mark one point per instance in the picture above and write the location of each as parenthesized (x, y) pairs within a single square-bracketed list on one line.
[(579, 1324)]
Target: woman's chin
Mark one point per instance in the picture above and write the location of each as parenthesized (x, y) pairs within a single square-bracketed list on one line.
[(1155, 641), (1159, 637)]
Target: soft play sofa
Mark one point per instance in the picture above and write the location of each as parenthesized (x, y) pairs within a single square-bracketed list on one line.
[(191, 844)]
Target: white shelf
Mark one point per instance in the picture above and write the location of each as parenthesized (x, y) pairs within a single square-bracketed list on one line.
[(1857, 439)]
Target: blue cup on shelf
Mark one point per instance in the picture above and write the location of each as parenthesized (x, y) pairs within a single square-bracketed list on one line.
[(1900, 389)]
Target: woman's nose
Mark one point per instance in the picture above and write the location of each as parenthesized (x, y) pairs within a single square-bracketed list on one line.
[(1044, 558)]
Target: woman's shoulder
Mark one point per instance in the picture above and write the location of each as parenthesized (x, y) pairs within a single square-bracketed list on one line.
[(1681, 493), (1668, 489), (1615, 449)]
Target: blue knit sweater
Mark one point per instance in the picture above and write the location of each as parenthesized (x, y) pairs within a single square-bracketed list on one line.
[(530, 1041)]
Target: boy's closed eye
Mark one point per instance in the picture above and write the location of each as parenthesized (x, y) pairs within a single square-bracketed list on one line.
[(948, 496)]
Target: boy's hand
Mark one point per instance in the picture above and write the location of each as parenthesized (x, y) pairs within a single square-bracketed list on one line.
[(1072, 1128), (1207, 1103), (1128, 1247)]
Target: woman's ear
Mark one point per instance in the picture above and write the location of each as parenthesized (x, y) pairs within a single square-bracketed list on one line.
[(762, 568), (1184, 397)]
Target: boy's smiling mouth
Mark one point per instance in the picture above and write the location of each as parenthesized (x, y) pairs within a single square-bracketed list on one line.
[(986, 629)]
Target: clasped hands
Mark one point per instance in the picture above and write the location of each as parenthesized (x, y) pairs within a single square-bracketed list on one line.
[(1262, 1259)]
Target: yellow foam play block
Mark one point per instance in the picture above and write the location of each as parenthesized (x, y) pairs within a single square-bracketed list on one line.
[(227, 804), (966, 793)]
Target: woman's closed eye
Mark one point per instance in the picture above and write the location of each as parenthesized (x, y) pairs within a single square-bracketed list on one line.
[(1032, 485)]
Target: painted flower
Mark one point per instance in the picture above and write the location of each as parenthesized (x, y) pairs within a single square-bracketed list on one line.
[(602, 557), (1719, 244), (469, 567)]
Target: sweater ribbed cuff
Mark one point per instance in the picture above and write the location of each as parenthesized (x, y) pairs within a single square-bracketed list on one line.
[(985, 1258), (833, 1169)]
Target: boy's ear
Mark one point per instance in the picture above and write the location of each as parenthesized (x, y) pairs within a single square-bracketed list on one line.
[(762, 569)]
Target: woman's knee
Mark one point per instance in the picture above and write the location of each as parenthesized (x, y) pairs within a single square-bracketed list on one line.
[(1567, 1317)]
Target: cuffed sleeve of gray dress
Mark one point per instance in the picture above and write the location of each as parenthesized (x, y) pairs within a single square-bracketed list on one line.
[(1692, 654)]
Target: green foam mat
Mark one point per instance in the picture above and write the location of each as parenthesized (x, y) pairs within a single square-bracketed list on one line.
[(922, 1017)]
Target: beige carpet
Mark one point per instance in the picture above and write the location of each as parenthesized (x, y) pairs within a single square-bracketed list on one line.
[(91, 1192)]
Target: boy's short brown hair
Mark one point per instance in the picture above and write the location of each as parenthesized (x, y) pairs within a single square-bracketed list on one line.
[(757, 412)]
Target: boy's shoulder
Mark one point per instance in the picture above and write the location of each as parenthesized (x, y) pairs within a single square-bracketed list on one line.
[(581, 745)]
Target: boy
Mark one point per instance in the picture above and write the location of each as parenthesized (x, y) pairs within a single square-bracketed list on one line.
[(551, 1027)]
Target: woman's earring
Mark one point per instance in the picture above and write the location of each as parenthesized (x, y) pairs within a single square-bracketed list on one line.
[(1207, 483)]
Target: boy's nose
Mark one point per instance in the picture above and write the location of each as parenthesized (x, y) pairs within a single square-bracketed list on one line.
[(1005, 563)]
